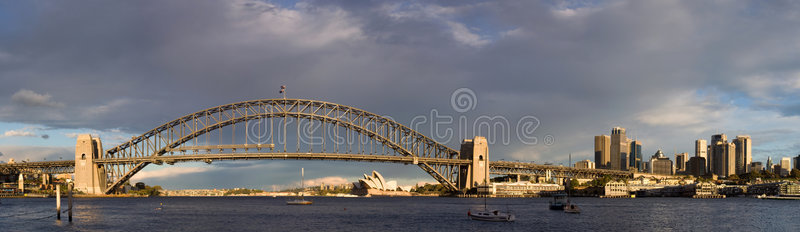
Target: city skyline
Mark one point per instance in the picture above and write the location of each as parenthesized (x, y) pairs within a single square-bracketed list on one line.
[(720, 158), (578, 68)]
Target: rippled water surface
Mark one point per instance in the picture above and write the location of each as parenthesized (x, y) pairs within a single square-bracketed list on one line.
[(397, 214)]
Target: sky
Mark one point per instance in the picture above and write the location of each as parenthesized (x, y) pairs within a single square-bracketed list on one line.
[(559, 73)]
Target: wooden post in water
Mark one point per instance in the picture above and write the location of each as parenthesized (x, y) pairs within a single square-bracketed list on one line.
[(69, 195), (58, 202)]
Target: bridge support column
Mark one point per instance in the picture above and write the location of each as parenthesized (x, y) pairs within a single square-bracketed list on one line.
[(477, 173), (22, 182), (90, 177), (45, 180)]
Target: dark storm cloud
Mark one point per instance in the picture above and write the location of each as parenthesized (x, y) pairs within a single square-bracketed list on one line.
[(665, 69)]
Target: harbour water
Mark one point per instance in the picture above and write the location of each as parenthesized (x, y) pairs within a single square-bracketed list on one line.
[(397, 214)]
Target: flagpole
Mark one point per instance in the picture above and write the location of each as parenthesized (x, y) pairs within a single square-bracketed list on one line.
[(285, 141)]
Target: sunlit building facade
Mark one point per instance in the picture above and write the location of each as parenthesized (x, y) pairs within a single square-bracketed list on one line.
[(602, 151), (619, 149), (744, 153)]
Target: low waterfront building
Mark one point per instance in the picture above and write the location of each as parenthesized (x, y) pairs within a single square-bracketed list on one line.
[(706, 190), (783, 188), (524, 188)]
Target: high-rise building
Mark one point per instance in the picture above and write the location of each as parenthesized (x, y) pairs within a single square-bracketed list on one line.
[(729, 159), (619, 149), (696, 166), (636, 156), (701, 148), (602, 151), (786, 166), (769, 164), (715, 141), (660, 164), (680, 162), (744, 153), (755, 167), (722, 155), (797, 162), (585, 164)]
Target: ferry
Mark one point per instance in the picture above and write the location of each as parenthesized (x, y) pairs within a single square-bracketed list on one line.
[(558, 202)]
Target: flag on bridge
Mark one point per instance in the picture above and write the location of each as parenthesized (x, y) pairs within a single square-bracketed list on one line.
[(283, 88)]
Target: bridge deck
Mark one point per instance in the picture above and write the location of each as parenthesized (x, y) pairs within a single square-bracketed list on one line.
[(285, 156), (497, 167)]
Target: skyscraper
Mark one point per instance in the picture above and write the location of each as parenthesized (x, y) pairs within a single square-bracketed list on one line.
[(680, 162), (713, 148), (636, 156), (743, 153), (696, 166), (786, 166), (755, 167), (602, 151), (619, 149), (796, 162), (701, 148), (769, 164), (723, 156)]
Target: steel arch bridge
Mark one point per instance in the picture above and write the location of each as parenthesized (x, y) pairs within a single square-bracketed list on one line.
[(351, 128), (320, 130)]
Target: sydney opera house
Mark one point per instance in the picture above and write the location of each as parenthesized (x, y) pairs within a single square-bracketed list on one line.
[(376, 185)]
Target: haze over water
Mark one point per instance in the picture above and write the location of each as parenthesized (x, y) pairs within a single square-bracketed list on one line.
[(398, 214)]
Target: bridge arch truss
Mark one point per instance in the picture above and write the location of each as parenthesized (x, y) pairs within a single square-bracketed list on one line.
[(317, 128)]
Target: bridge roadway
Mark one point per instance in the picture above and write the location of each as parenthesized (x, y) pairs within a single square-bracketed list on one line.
[(495, 167)]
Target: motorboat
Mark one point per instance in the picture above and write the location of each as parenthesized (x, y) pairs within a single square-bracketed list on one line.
[(299, 202), (558, 202)]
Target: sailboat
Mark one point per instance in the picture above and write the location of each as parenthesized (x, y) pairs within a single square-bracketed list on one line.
[(570, 207), (299, 200), (490, 216)]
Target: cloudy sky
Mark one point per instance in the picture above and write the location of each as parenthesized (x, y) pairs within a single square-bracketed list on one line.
[(670, 72)]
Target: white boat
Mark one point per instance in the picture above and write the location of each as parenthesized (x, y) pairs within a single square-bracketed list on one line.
[(300, 200), (490, 215)]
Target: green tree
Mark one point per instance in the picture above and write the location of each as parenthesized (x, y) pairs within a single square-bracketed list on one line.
[(601, 181), (148, 191), (795, 173), (769, 175), (242, 191), (752, 175)]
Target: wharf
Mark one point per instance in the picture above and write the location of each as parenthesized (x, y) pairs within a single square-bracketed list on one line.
[(618, 196), (779, 198), (712, 196)]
